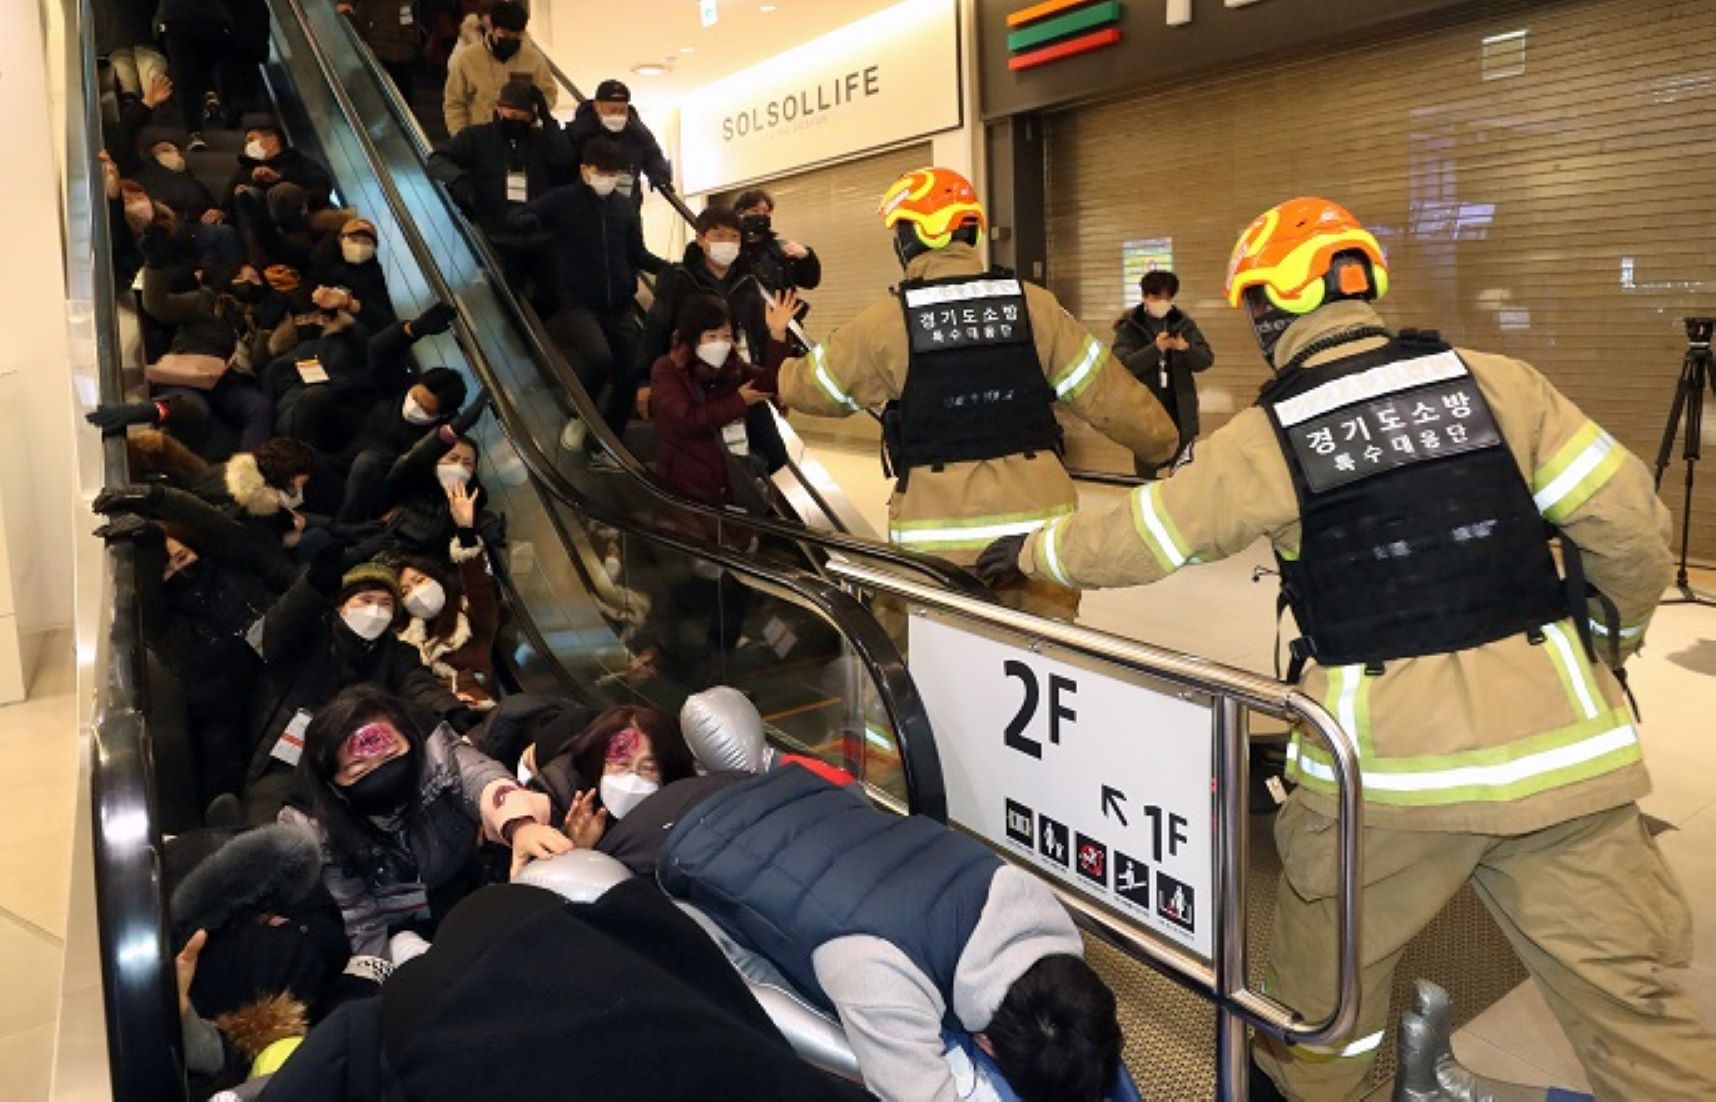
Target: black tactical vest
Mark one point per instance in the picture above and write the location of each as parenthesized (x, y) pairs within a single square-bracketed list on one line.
[(974, 386), (1420, 535)]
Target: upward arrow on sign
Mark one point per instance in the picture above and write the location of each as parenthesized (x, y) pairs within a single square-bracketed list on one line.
[(1111, 798)]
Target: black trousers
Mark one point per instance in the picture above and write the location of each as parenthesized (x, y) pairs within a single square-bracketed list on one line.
[(601, 345), (200, 58)]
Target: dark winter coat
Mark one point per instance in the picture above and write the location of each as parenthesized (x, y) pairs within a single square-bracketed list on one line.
[(294, 167), (690, 455), (1135, 346), (597, 242), (638, 146), (379, 24), (309, 655), (368, 281), (172, 12), (775, 270), (475, 163), (207, 322), (121, 24), (181, 192), (786, 862), (745, 297), (239, 491)]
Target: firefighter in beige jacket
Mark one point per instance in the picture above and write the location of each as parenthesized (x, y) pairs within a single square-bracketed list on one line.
[(972, 364), (1405, 488)]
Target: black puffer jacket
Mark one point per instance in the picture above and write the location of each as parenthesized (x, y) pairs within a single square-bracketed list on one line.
[(475, 163), (598, 245), (368, 281), (638, 146), (1135, 346), (744, 295), (294, 168)]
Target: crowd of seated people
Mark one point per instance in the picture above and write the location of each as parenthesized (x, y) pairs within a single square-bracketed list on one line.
[(319, 569)]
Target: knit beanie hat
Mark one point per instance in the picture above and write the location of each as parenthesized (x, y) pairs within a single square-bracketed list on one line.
[(368, 575)]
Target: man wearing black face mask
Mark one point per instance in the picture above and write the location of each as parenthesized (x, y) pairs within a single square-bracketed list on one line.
[(778, 264), (493, 166), (476, 76)]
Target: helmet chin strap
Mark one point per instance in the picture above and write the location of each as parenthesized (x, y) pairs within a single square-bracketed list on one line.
[(907, 244)]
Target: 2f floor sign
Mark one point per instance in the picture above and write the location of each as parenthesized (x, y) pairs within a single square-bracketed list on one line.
[(1103, 783)]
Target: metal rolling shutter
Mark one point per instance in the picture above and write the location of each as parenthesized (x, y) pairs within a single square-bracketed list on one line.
[(1549, 195), (833, 210)]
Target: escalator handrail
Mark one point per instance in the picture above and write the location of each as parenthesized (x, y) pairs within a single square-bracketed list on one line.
[(137, 984), (874, 648), (543, 349)]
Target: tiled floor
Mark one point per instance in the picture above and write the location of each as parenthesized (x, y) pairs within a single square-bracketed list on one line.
[(1216, 611), (38, 772)]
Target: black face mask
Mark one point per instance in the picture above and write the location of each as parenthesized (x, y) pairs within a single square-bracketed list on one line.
[(385, 789), (503, 48), (186, 580), (513, 129), (755, 227), (247, 292)]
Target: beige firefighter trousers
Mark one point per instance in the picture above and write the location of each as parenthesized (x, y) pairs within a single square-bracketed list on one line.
[(1589, 905)]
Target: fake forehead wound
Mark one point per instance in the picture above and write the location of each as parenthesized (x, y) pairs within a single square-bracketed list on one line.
[(625, 744), (372, 740)]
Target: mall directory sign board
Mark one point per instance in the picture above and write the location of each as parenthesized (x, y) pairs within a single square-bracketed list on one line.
[(1103, 782)]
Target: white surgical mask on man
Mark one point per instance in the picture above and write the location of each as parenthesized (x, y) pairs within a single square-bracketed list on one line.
[(427, 600), (415, 413), (171, 160), (1158, 308), (367, 622), (615, 123), (714, 353), (255, 150), (623, 791), (724, 253), (604, 185), (356, 250)]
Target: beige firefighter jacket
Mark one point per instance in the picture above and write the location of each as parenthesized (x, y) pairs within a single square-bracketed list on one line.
[(1503, 738), (956, 511)]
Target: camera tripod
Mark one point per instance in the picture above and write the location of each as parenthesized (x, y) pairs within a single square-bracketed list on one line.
[(1687, 413)]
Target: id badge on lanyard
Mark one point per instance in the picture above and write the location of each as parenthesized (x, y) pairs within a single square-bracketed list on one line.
[(733, 435)]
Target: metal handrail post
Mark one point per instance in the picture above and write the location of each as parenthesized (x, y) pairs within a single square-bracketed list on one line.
[(1232, 769), (1233, 691)]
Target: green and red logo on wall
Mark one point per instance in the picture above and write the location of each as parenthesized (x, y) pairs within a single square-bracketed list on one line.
[(1057, 29)]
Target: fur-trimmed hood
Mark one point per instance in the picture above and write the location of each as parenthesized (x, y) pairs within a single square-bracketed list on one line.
[(433, 647), (270, 866), (244, 483), (152, 451)]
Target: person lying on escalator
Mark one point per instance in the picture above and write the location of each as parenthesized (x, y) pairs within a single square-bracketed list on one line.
[(904, 928), (347, 259), (623, 756), (454, 614), (425, 501), (401, 815), (268, 161), (332, 630)]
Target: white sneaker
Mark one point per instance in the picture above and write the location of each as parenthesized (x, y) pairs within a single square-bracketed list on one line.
[(572, 436)]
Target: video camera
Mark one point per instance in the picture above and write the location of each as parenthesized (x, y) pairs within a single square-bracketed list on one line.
[(1699, 330)]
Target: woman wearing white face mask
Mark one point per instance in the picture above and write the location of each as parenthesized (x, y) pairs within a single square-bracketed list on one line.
[(452, 617), (622, 758), (348, 260)]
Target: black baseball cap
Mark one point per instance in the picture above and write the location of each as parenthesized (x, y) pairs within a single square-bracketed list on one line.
[(613, 91)]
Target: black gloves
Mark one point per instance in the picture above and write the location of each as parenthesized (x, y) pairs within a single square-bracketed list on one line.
[(157, 250), (998, 563), (127, 528), (326, 568), (135, 497), (471, 414), (540, 103), (112, 420), (435, 320)]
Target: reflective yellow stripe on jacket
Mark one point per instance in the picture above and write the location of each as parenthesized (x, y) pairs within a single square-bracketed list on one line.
[(971, 533), (826, 380), (1576, 472), (1156, 528), (1601, 741), (1069, 382)]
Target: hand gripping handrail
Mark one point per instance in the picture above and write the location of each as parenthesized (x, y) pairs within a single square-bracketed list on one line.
[(1234, 691)]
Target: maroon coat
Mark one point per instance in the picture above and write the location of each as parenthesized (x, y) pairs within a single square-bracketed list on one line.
[(689, 454)]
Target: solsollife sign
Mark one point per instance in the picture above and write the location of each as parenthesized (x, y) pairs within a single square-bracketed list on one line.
[(888, 78), (1101, 783)]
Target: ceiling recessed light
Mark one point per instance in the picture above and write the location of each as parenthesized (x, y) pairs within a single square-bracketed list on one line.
[(766, 8), (649, 69), (688, 49)]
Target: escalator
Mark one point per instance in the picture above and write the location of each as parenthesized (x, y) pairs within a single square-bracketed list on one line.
[(590, 580)]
